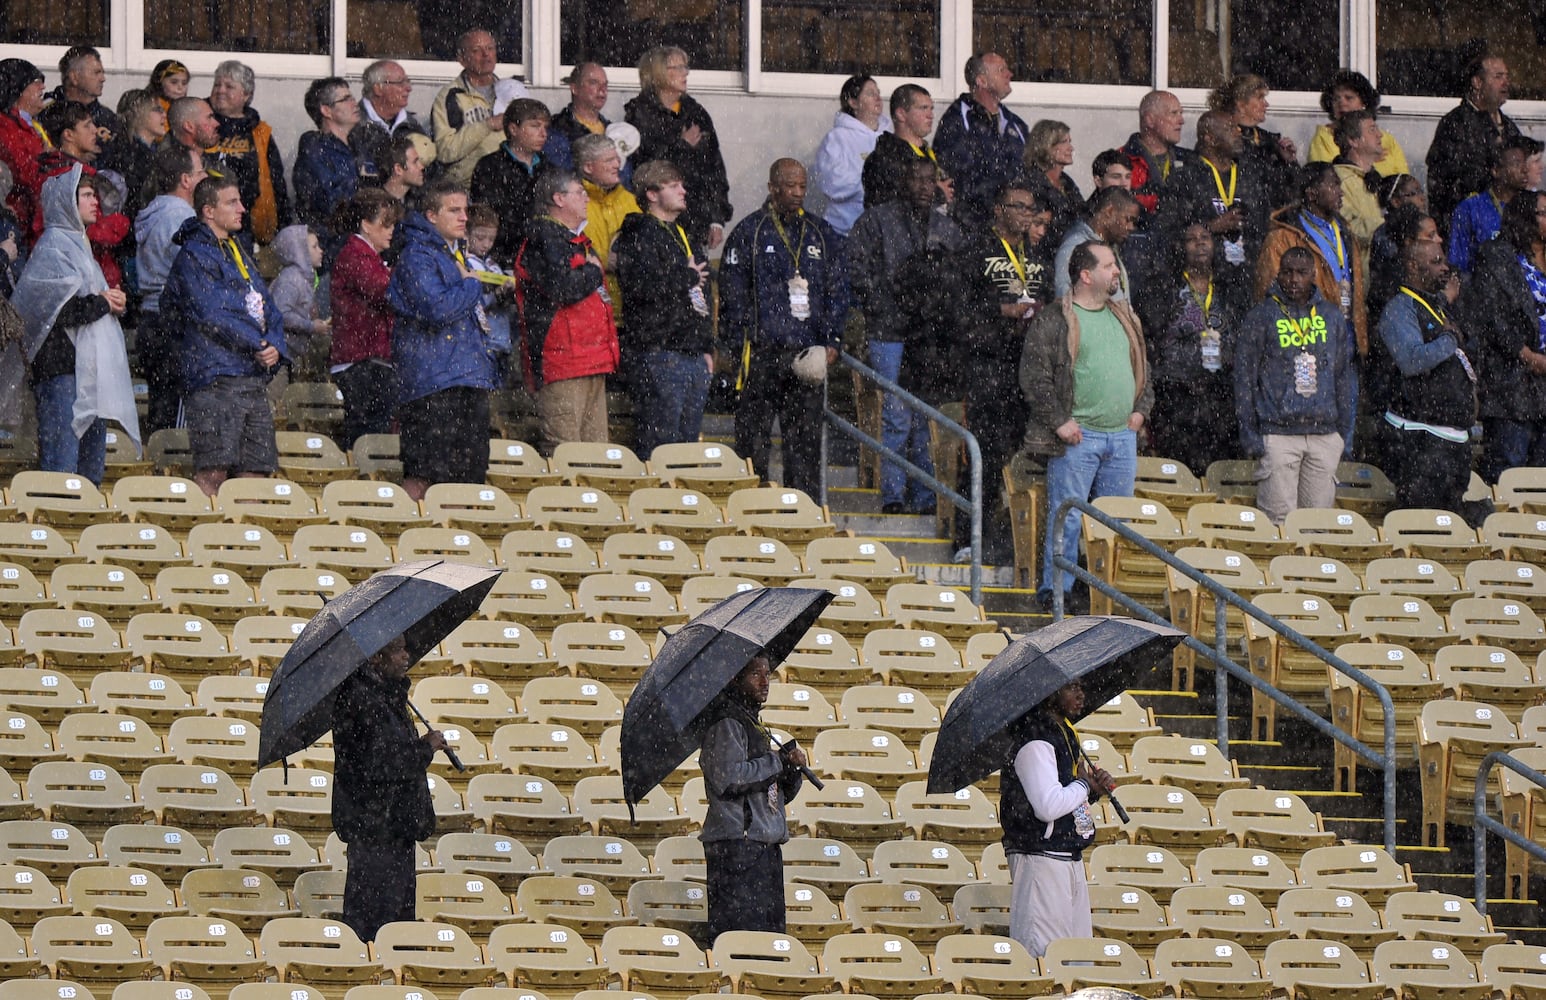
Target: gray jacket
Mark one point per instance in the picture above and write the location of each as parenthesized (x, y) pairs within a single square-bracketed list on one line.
[(294, 288), (747, 785), (154, 228)]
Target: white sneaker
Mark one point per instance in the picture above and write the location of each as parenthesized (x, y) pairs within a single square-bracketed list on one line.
[(964, 555)]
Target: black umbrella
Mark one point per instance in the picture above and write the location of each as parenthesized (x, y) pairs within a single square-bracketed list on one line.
[(981, 729), (661, 726), (420, 601)]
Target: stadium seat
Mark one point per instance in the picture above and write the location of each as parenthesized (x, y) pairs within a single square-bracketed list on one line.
[(686, 514), (850, 811), (545, 956), (562, 555), (63, 500), (1131, 915), (1209, 968), (90, 797), (201, 799), (180, 645), (763, 963), (1322, 576), (172, 502), (862, 560), (247, 899), (262, 641), (1210, 911), (27, 896), (854, 611), (21, 591), (471, 702), (127, 743), (1499, 621), (1239, 528), (1362, 869), (1411, 621), (279, 505), (1170, 816), (433, 954), (529, 809), (24, 742), (669, 904), (1442, 917), (1122, 721), (1518, 970), (1259, 872), (1489, 674), (1155, 869), (42, 549), (1339, 534), (54, 848), (500, 651), (665, 962), (144, 548), (786, 514), (501, 860), (300, 590), (711, 468), (533, 599), (1410, 684), (322, 954), (1318, 969), (169, 452), (1452, 739), (311, 459), (470, 902), (77, 644), (769, 561), (1439, 535), (96, 952), (1279, 822), (1288, 668), (1364, 489), (351, 550), (378, 457), (486, 511), (156, 698), (911, 911), (111, 592), (451, 544), (587, 512), (249, 549), (132, 896), (983, 908), (166, 851), (1518, 580), (385, 508), (1170, 482), (627, 599), (881, 965), (867, 755), (1076, 963), (703, 592), (680, 859), (1195, 765), (551, 751), (583, 905), (662, 557), (311, 407), (518, 467), (829, 865), (1515, 536), (612, 861), (210, 592), (1125, 566), (918, 659), (1195, 611), (297, 798), (945, 610), (938, 866), (1427, 970), (611, 468), (599, 799), (893, 709), (46, 695)]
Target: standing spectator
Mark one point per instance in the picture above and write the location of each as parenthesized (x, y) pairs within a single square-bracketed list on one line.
[(1084, 374), (1349, 91), (11, 239), (1244, 99), (1111, 169), (581, 117), (440, 347), (1007, 279), (1469, 139), (1404, 221), (1048, 154), (233, 339), (295, 293), (1113, 218), (776, 306), (76, 139), (838, 171), (168, 82), (1477, 218), (405, 173), (362, 316), (132, 155), (668, 343), (912, 119), (1293, 390), (385, 88), (608, 202), (1359, 137), (672, 126), (505, 180), (381, 802), (1192, 328), (190, 123), (466, 127), (247, 151), (326, 173), (82, 79), (569, 334), (1154, 150), (1506, 303), (881, 253), (1225, 193), (158, 342), (77, 366), (1433, 388), (499, 294), (981, 143), (22, 139)]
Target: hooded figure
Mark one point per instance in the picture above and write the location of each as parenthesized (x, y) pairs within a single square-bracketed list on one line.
[(295, 292), (60, 272)]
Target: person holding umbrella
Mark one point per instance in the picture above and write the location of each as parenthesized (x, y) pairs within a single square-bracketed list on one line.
[(1045, 793), (381, 800), (747, 784)]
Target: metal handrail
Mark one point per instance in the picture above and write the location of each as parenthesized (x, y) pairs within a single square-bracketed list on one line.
[(1218, 653), (1485, 823), (972, 506)]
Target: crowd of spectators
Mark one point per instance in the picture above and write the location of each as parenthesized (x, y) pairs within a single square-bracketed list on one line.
[(1214, 302)]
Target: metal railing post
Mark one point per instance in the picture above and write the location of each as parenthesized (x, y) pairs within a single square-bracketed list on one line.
[(1484, 824)]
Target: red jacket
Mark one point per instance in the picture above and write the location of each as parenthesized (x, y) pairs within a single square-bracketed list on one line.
[(20, 147), (566, 324), (362, 317)]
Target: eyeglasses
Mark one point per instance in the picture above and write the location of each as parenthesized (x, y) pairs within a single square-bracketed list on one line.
[(1018, 206)]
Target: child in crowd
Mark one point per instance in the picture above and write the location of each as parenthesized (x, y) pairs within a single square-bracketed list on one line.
[(169, 81), (498, 301), (295, 291)]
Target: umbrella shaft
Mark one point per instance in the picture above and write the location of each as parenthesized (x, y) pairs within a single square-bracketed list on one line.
[(451, 756)]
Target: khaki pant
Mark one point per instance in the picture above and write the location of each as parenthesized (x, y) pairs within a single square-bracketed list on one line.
[(1297, 470), (574, 409), (1049, 900)]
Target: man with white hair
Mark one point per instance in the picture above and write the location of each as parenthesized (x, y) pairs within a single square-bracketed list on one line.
[(466, 127), (246, 150), (385, 88)]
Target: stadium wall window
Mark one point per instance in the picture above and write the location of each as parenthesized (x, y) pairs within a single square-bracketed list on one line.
[(1292, 44), (291, 27), (618, 32), (1423, 48), (881, 37), (55, 22), (428, 29), (1069, 41)]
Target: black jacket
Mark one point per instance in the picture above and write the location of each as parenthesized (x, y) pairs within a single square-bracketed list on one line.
[(1191, 195), (885, 167), (880, 243), (503, 183), (1066, 202), (380, 788), (1175, 339), (992, 341), (1460, 158), (1502, 317), (1261, 148), (1024, 831), (656, 282), (702, 166)]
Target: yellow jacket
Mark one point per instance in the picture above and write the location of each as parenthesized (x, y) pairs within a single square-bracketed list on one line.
[(1323, 149), (603, 220)]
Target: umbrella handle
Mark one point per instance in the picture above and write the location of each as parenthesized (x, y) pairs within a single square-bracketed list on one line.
[(1121, 813), (809, 774), (456, 761)]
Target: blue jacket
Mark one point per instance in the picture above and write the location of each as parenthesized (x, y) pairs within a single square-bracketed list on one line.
[(437, 341), (979, 157), (325, 176), (1476, 220), (754, 278), (1266, 402), (206, 297)]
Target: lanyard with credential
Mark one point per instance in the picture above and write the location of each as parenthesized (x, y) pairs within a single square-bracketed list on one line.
[(925, 151), (1218, 182), (681, 234), (1439, 315), (1327, 236), (241, 265), (794, 251), (1301, 326), (1205, 304), (1019, 267)]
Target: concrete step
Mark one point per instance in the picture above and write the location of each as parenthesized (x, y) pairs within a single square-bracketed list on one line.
[(851, 499), (873, 525), (914, 549)]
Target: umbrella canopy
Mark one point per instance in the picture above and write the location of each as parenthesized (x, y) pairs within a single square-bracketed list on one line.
[(1108, 655), (660, 723), (420, 601)]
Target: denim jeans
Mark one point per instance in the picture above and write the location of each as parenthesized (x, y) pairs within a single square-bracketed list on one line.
[(59, 450), (670, 389), (903, 431), (1102, 464), (1508, 444)]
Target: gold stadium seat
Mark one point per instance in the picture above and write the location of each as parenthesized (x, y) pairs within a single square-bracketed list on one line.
[(486, 511), (167, 851), (533, 599), (907, 910), (299, 800), (262, 641), (200, 799), (682, 513), (27, 896), (1318, 969), (1521, 581), (247, 899), (613, 654), (1522, 489), (529, 809), (1490, 674), (1515, 536), (24, 742), (1414, 577), (1442, 917), (21, 591), (1195, 610), (133, 896), (1427, 970), (665, 962), (1518, 970), (155, 698), (268, 991), (712, 468), (314, 407), (499, 859), (62, 499), (551, 751), (323, 954), (1170, 816), (586, 511), (921, 659), (900, 710), (280, 505), (1209, 968), (1279, 822), (612, 861), (607, 467), (518, 467), (769, 561), (113, 592), (990, 966), (1170, 482), (1075, 963), (53, 848), (213, 593), (1322, 576), (451, 544), (348, 549), (1522, 807), (583, 905), (249, 549), (1288, 668), (681, 859), (18, 964), (1101, 750), (1131, 570), (809, 914), (1257, 871), (882, 965), (850, 811), (169, 452), (13, 804), (91, 797), (1452, 739), (1210, 911), (627, 599), (144, 548), (1439, 535), (876, 758), (784, 513), (1239, 528), (97, 952), (180, 645), (1405, 676), (163, 990), (127, 743), (1363, 869), (945, 610), (46, 695), (76, 643), (476, 905), (471, 702), (983, 908), (385, 508), (546, 956), (378, 457), (862, 560), (1364, 489), (1499, 621), (763, 963), (1122, 720), (281, 854), (500, 651), (659, 556), (827, 663), (1338, 534), (312, 460), (39, 547), (599, 799), (938, 866), (829, 865), (801, 711), (1194, 765), (669, 904), (563, 555), (233, 697), (964, 817)]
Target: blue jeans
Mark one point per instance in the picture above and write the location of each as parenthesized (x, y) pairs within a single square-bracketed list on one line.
[(903, 431), (1508, 444), (59, 450), (670, 389), (1102, 464)]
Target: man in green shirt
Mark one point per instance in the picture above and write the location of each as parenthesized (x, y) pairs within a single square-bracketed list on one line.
[(1085, 379)]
